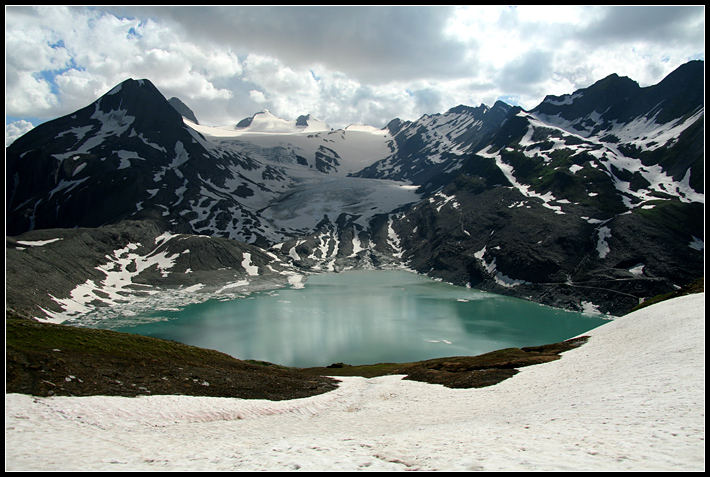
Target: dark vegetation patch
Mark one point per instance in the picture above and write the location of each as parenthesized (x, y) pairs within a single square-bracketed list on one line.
[(461, 371), (46, 359), (698, 286)]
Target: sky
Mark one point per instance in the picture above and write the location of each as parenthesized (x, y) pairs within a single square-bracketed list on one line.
[(342, 64)]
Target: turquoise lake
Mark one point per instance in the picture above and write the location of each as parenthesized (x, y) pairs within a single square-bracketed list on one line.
[(364, 317)]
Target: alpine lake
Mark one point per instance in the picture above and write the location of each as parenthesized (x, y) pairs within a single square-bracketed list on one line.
[(362, 317)]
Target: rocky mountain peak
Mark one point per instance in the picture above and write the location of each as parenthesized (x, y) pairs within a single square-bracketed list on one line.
[(183, 109), (608, 97), (303, 120), (266, 121), (396, 125), (463, 109), (139, 98)]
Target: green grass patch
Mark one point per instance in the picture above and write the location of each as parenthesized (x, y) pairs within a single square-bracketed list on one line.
[(35, 337), (698, 286)]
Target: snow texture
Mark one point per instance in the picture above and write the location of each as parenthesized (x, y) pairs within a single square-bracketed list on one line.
[(273, 140), (119, 270), (642, 132), (631, 399)]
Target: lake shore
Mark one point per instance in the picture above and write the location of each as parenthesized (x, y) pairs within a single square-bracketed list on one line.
[(358, 317), (630, 399), (59, 360)]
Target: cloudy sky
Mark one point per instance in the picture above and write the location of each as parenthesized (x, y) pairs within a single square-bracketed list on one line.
[(344, 65)]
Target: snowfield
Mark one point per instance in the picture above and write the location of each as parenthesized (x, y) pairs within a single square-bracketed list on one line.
[(631, 399), (274, 140)]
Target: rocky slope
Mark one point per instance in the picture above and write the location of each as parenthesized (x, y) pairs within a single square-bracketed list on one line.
[(592, 198), (435, 145)]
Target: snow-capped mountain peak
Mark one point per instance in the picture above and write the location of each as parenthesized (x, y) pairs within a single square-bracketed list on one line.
[(265, 121)]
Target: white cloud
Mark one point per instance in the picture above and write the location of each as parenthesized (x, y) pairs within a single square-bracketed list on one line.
[(15, 130), (534, 50), (28, 94), (368, 43), (87, 52), (278, 79), (257, 96), (342, 64)]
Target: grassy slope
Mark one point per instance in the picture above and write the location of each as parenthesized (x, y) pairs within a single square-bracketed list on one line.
[(46, 359)]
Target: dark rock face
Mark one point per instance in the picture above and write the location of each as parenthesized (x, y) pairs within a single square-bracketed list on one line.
[(130, 156), (326, 159), (434, 145), (182, 108), (92, 167), (566, 206)]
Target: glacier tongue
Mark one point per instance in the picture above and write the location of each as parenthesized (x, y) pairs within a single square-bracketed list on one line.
[(308, 194), (302, 207)]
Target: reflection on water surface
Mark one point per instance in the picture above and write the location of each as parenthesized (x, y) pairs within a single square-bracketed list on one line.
[(364, 317)]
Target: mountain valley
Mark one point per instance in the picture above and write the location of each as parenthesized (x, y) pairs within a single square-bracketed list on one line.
[(590, 201)]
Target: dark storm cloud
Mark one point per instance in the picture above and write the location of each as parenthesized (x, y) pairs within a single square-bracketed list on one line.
[(522, 75), (657, 24), (380, 43)]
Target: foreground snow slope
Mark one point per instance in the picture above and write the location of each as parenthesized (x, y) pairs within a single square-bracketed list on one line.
[(632, 398)]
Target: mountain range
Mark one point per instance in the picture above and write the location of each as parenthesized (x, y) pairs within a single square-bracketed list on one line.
[(590, 201)]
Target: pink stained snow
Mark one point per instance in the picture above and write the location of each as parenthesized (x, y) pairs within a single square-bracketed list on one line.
[(631, 399)]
